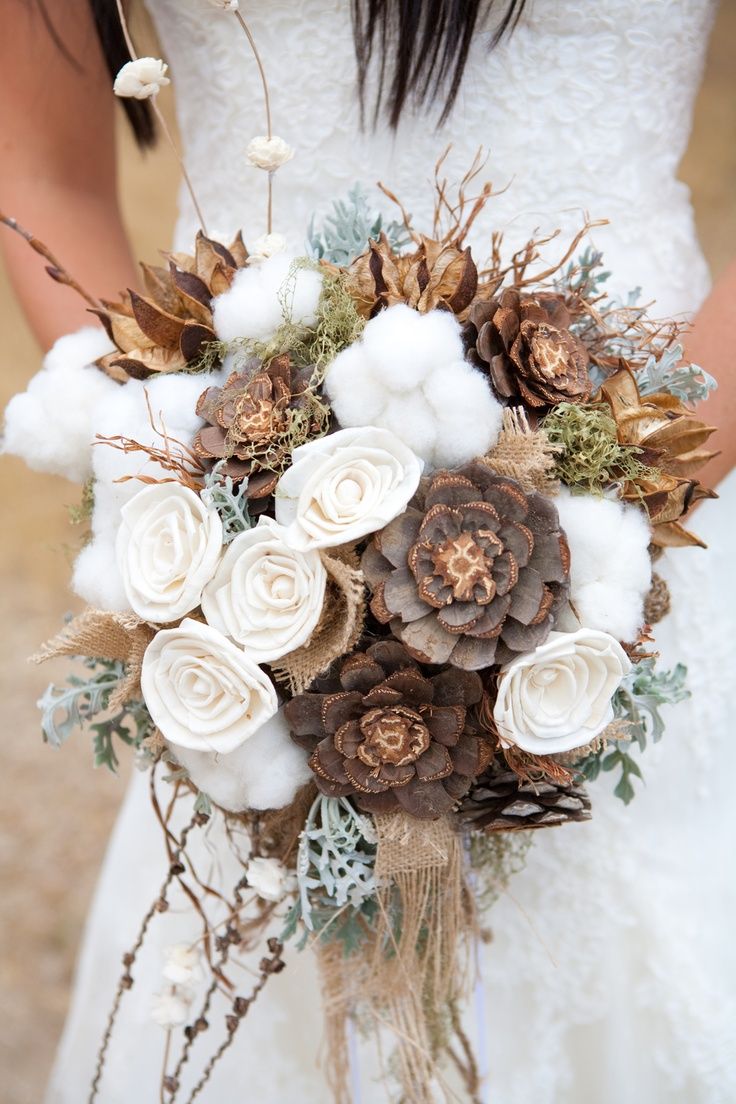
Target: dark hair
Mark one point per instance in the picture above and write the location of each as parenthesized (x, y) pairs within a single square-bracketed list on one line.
[(423, 48), (116, 54)]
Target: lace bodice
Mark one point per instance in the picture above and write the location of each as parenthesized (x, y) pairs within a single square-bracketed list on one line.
[(585, 108)]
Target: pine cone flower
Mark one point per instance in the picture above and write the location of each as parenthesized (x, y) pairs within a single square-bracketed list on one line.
[(170, 326), (473, 572), (436, 275), (500, 801), (670, 441), (525, 344), (391, 736), (249, 419)]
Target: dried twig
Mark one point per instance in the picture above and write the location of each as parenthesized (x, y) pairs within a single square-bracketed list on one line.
[(54, 268), (184, 464)]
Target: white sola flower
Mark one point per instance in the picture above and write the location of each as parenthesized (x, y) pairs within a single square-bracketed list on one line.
[(265, 595), (182, 964), (141, 79), (559, 696), (202, 691), (268, 877), (344, 486), (171, 1009), (408, 374), (167, 549), (268, 153)]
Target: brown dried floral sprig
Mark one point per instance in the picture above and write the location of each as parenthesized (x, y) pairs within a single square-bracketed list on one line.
[(670, 441), (169, 328)]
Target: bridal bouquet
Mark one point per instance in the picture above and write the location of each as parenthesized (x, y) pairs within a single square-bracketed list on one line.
[(369, 573)]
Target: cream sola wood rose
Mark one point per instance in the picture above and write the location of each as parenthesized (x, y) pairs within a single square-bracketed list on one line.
[(559, 697), (344, 486), (167, 549), (202, 691), (265, 595)]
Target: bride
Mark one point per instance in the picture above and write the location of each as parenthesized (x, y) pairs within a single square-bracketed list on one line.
[(611, 976)]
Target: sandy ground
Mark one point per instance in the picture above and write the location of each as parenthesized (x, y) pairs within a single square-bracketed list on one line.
[(55, 812)]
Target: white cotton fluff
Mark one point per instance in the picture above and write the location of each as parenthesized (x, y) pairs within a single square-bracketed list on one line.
[(407, 374), (263, 296), (265, 772), (173, 399), (50, 424), (610, 571)]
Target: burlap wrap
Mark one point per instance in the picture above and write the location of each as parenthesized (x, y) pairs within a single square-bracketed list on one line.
[(524, 454), (104, 635), (339, 626), (408, 975)]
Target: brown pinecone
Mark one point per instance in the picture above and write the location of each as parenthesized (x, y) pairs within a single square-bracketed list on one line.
[(473, 572), (249, 419), (436, 275), (525, 344), (391, 736), (499, 801), (171, 325)]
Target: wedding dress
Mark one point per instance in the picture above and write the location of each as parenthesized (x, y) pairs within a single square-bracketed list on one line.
[(611, 977)]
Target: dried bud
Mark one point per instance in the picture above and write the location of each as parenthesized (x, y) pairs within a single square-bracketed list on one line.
[(268, 153), (141, 79), (224, 5)]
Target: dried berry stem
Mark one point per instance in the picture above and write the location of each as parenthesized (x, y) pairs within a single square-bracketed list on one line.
[(270, 965), (162, 121), (54, 268), (126, 979), (267, 100)]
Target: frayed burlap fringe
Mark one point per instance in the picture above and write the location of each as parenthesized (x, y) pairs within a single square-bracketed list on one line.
[(617, 730), (104, 635), (524, 454), (415, 966), (339, 627)]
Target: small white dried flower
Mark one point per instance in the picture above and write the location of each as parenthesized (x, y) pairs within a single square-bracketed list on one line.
[(268, 245), (182, 964), (170, 1009), (268, 153), (141, 79), (268, 877), (224, 5)]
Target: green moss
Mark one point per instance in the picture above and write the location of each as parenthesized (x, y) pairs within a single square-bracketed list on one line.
[(590, 455)]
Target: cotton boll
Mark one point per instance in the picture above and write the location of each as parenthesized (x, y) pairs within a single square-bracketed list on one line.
[(468, 417), (413, 421), (356, 396), (50, 425), (610, 570), (253, 306), (96, 578), (263, 773), (393, 348)]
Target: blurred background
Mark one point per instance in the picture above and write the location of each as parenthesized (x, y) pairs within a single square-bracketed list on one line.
[(55, 811)]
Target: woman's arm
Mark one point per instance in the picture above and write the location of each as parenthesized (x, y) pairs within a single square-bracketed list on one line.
[(57, 152), (711, 344)]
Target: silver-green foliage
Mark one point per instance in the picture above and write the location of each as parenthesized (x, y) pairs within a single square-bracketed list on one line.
[(688, 382), (344, 234), (637, 701), (335, 872), (230, 501), (75, 705)]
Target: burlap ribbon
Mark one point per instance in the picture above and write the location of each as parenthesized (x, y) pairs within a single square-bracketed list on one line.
[(524, 454), (339, 626), (414, 967), (104, 635)]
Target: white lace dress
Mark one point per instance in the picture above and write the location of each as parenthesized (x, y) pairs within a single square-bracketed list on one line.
[(611, 977)]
